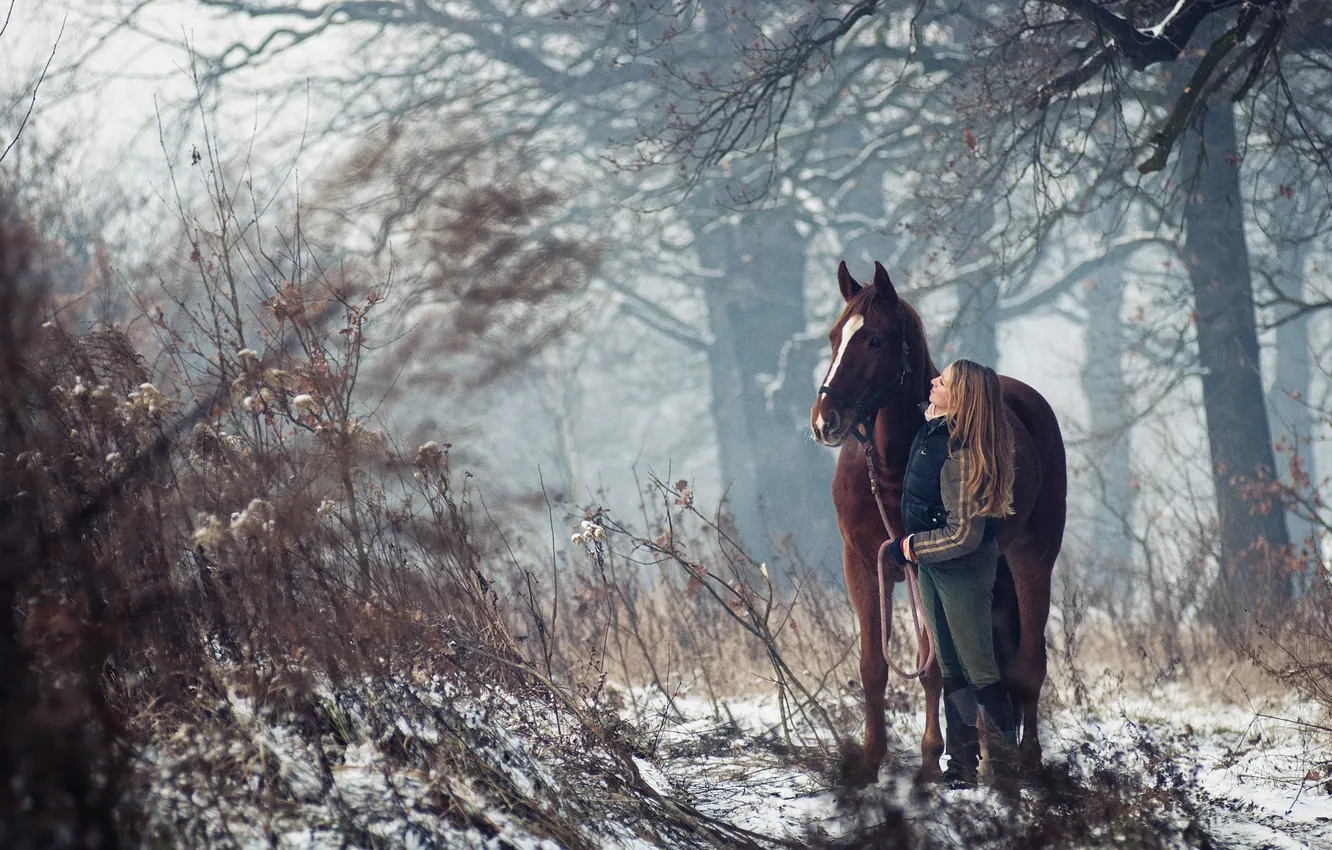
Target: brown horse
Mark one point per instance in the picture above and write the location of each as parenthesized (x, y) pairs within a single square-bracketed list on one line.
[(876, 386)]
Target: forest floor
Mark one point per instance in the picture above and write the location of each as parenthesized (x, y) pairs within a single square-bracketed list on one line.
[(429, 763), (1176, 767)]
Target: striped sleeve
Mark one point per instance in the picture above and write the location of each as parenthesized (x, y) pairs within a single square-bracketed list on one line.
[(964, 530)]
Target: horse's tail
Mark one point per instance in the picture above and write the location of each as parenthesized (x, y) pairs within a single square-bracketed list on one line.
[(1007, 622)]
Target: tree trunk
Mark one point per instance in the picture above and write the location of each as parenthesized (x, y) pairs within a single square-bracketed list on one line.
[(1111, 548), (973, 333), (1293, 421), (566, 452), (1237, 428), (777, 480)]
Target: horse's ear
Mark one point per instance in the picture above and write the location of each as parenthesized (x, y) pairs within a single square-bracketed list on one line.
[(884, 284), (846, 282)]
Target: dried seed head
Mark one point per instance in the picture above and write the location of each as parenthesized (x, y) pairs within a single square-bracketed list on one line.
[(209, 533), (103, 400), (255, 522), (151, 399), (205, 445), (430, 454), (365, 437)]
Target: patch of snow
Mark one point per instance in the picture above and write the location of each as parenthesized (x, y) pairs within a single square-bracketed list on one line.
[(655, 779)]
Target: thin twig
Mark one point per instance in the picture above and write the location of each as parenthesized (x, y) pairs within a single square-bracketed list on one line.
[(37, 87)]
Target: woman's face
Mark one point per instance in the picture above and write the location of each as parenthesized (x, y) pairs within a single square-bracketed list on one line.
[(940, 396)]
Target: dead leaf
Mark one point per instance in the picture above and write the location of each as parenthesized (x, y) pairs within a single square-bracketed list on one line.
[(693, 586)]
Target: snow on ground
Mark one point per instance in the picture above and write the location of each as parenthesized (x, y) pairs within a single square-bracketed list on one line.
[(436, 767), (1262, 768), (1257, 774)]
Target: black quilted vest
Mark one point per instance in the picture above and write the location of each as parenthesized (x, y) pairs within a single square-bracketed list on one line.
[(922, 498)]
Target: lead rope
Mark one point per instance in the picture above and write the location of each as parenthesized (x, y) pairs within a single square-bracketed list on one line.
[(924, 646)]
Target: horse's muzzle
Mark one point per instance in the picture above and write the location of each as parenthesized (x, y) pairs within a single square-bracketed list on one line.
[(829, 426)]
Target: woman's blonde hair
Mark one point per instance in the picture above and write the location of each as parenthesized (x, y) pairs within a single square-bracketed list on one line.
[(978, 423)]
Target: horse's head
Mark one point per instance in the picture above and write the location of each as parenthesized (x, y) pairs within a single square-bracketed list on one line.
[(873, 357)]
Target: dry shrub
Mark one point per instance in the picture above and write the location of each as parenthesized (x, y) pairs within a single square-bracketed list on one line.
[(483, 252), (82, 474), (1292, 638), (222, 548), (238, 528), (675, 608)]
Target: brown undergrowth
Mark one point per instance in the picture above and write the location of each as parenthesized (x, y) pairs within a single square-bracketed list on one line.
[(235, 609)]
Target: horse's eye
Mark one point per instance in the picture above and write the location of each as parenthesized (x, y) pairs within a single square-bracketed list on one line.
[(875, 342)]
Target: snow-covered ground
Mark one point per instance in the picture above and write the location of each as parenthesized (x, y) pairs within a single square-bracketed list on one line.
[(1246, 776), (1166, 766)]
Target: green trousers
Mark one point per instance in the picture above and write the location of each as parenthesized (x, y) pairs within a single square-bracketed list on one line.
[(958, 610)]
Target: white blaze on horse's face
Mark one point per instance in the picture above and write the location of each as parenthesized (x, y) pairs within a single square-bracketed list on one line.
[(853, 324)]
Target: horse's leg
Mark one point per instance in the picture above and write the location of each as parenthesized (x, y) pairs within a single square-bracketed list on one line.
[(932, 742), (864, 589), (1031, 579), (874, 678)]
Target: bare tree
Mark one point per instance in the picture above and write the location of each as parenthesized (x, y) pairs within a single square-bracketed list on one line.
[(1051, 60), (1060, 106), (555, 89)]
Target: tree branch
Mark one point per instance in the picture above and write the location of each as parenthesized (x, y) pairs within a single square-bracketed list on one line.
[(1070, 81), (1162, 43), (1266, 47), (36, 87), (658, 318), (500, 46), (1194, 94), (1117, 252), (8, 14), (748, 108)]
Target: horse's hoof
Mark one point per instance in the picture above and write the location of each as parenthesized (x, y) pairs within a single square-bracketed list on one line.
[(857, 777), (862, 775), (928, 773), (1029, 756), (856, 771)]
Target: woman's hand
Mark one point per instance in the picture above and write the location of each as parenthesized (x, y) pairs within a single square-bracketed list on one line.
[(900, 549)]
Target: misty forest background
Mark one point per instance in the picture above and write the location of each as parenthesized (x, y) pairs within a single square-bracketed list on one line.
[(327, 324)]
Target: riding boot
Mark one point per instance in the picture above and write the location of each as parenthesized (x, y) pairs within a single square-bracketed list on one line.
[(961, 737), (1001, 731)]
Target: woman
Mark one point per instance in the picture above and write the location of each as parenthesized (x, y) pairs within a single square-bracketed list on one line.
[(959, 482)]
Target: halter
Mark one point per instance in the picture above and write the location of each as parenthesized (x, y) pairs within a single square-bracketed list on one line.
[(866, 409)]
